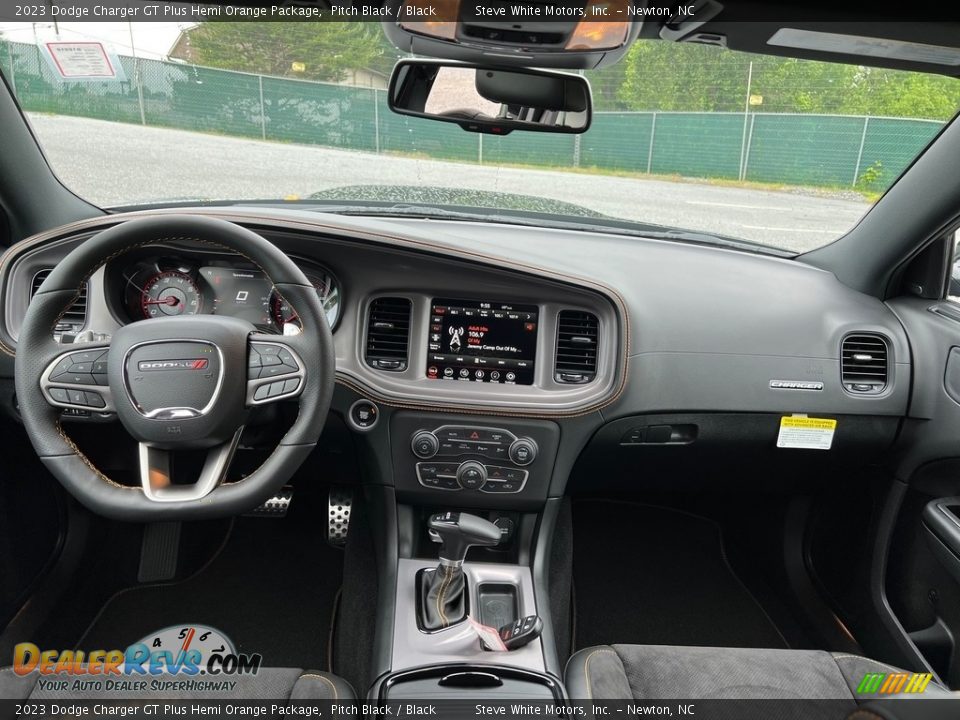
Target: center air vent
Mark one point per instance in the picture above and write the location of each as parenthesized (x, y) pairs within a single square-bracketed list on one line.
[(75, 316), (863, 364), (388, 333), (577, 336)]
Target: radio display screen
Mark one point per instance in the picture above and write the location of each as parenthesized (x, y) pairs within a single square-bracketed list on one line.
[(477, 341)]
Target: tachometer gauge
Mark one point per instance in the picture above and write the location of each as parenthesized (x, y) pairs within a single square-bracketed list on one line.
[(170, 293), (284, 315)]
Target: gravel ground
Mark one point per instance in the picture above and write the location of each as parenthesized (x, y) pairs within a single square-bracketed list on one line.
[(115, 163)]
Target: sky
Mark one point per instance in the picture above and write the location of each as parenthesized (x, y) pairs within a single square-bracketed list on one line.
[(151, 40)]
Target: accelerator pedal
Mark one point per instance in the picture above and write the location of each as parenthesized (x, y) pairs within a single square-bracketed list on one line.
[(275, 506), (338, 516)]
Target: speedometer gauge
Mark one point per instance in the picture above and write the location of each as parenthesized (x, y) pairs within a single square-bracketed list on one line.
[(170, 293), (284, 315)]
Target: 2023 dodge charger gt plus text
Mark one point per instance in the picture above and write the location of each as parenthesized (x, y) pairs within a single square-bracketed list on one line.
[(555, 364)]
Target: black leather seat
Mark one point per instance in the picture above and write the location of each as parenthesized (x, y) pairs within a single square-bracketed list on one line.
[(659, 672), (267, 684)]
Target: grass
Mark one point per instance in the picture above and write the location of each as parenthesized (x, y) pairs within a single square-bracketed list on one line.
[(836, 190)]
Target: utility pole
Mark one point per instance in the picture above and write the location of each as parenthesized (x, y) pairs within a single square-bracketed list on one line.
[(136, 75), (746, 114)]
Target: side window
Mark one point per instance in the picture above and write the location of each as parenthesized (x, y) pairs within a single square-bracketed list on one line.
[(953, 289)]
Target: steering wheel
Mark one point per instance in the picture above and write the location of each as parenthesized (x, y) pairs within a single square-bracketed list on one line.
[(176, 383)]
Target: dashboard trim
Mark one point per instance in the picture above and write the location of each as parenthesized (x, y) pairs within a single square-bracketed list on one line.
[(598, 394)]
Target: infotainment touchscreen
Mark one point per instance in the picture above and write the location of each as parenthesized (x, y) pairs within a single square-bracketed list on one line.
[(477, 341)]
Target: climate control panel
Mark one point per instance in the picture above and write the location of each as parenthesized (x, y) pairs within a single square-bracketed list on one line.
[(471, 475), (472, 461), (492, 458)]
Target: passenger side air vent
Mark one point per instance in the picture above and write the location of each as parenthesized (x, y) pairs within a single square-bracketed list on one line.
[(388, 333), (75, 316), (863, 364), (577, 337)]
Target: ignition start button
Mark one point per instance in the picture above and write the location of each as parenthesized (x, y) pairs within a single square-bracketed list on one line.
[(363, 415)]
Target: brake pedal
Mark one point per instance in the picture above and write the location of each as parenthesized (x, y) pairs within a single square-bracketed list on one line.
[(275, 506), (338, 515), (159, 551)]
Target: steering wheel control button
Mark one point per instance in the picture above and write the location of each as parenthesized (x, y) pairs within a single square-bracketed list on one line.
[(471, 475), (61, 368), (363, 415), (94, 400), (270, 360), (523, 451), (425, 444), (275, 389), (64, 382)]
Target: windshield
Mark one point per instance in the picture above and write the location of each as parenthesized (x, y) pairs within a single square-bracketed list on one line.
[(782, 152)]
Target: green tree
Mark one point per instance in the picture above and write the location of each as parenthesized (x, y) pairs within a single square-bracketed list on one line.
[(899, 94), (327, 50), (661, 75), (669, 76)]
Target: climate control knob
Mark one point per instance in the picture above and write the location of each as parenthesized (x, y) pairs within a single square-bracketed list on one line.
[(424, 444), (471, 475), (523, 451)]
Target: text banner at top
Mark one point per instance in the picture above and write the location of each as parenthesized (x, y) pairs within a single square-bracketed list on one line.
[(672, 12)]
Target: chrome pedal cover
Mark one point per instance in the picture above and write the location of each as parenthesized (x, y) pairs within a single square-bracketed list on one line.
[(275, 506), (338, 515)]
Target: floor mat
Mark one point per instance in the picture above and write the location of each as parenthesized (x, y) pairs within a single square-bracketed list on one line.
[(271, 589), (654, 576)]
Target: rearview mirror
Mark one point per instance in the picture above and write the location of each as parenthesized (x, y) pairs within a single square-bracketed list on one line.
[(491, 100)]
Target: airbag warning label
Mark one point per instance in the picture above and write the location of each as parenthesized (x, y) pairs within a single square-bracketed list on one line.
[(800, 431)]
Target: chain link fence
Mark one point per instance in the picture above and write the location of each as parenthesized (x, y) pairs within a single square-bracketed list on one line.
[(833, 151)]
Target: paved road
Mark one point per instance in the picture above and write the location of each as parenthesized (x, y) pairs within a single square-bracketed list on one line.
[(114, 163)]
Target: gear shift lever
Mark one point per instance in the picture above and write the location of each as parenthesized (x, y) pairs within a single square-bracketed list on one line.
[(458, 532), (443, 591)]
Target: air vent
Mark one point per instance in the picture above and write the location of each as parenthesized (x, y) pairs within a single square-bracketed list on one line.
[(577, 334), (75, 316), (863, 365), (388, 333)]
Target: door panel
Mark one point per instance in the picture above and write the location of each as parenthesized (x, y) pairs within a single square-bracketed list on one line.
[(922, 583)]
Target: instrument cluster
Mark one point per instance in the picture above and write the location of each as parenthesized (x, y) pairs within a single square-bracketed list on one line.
[(161, 286)]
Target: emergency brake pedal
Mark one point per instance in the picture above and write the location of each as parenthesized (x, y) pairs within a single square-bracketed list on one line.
[(275, 506), (338, 515)]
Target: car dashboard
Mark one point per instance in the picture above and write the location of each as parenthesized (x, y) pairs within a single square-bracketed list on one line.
[(493, 367), (509, 319), (412, 326)]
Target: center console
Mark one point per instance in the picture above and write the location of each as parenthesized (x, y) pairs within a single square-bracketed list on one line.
[(468, 483)]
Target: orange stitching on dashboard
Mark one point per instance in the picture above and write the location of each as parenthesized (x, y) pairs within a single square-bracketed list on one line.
[(307, 225)]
